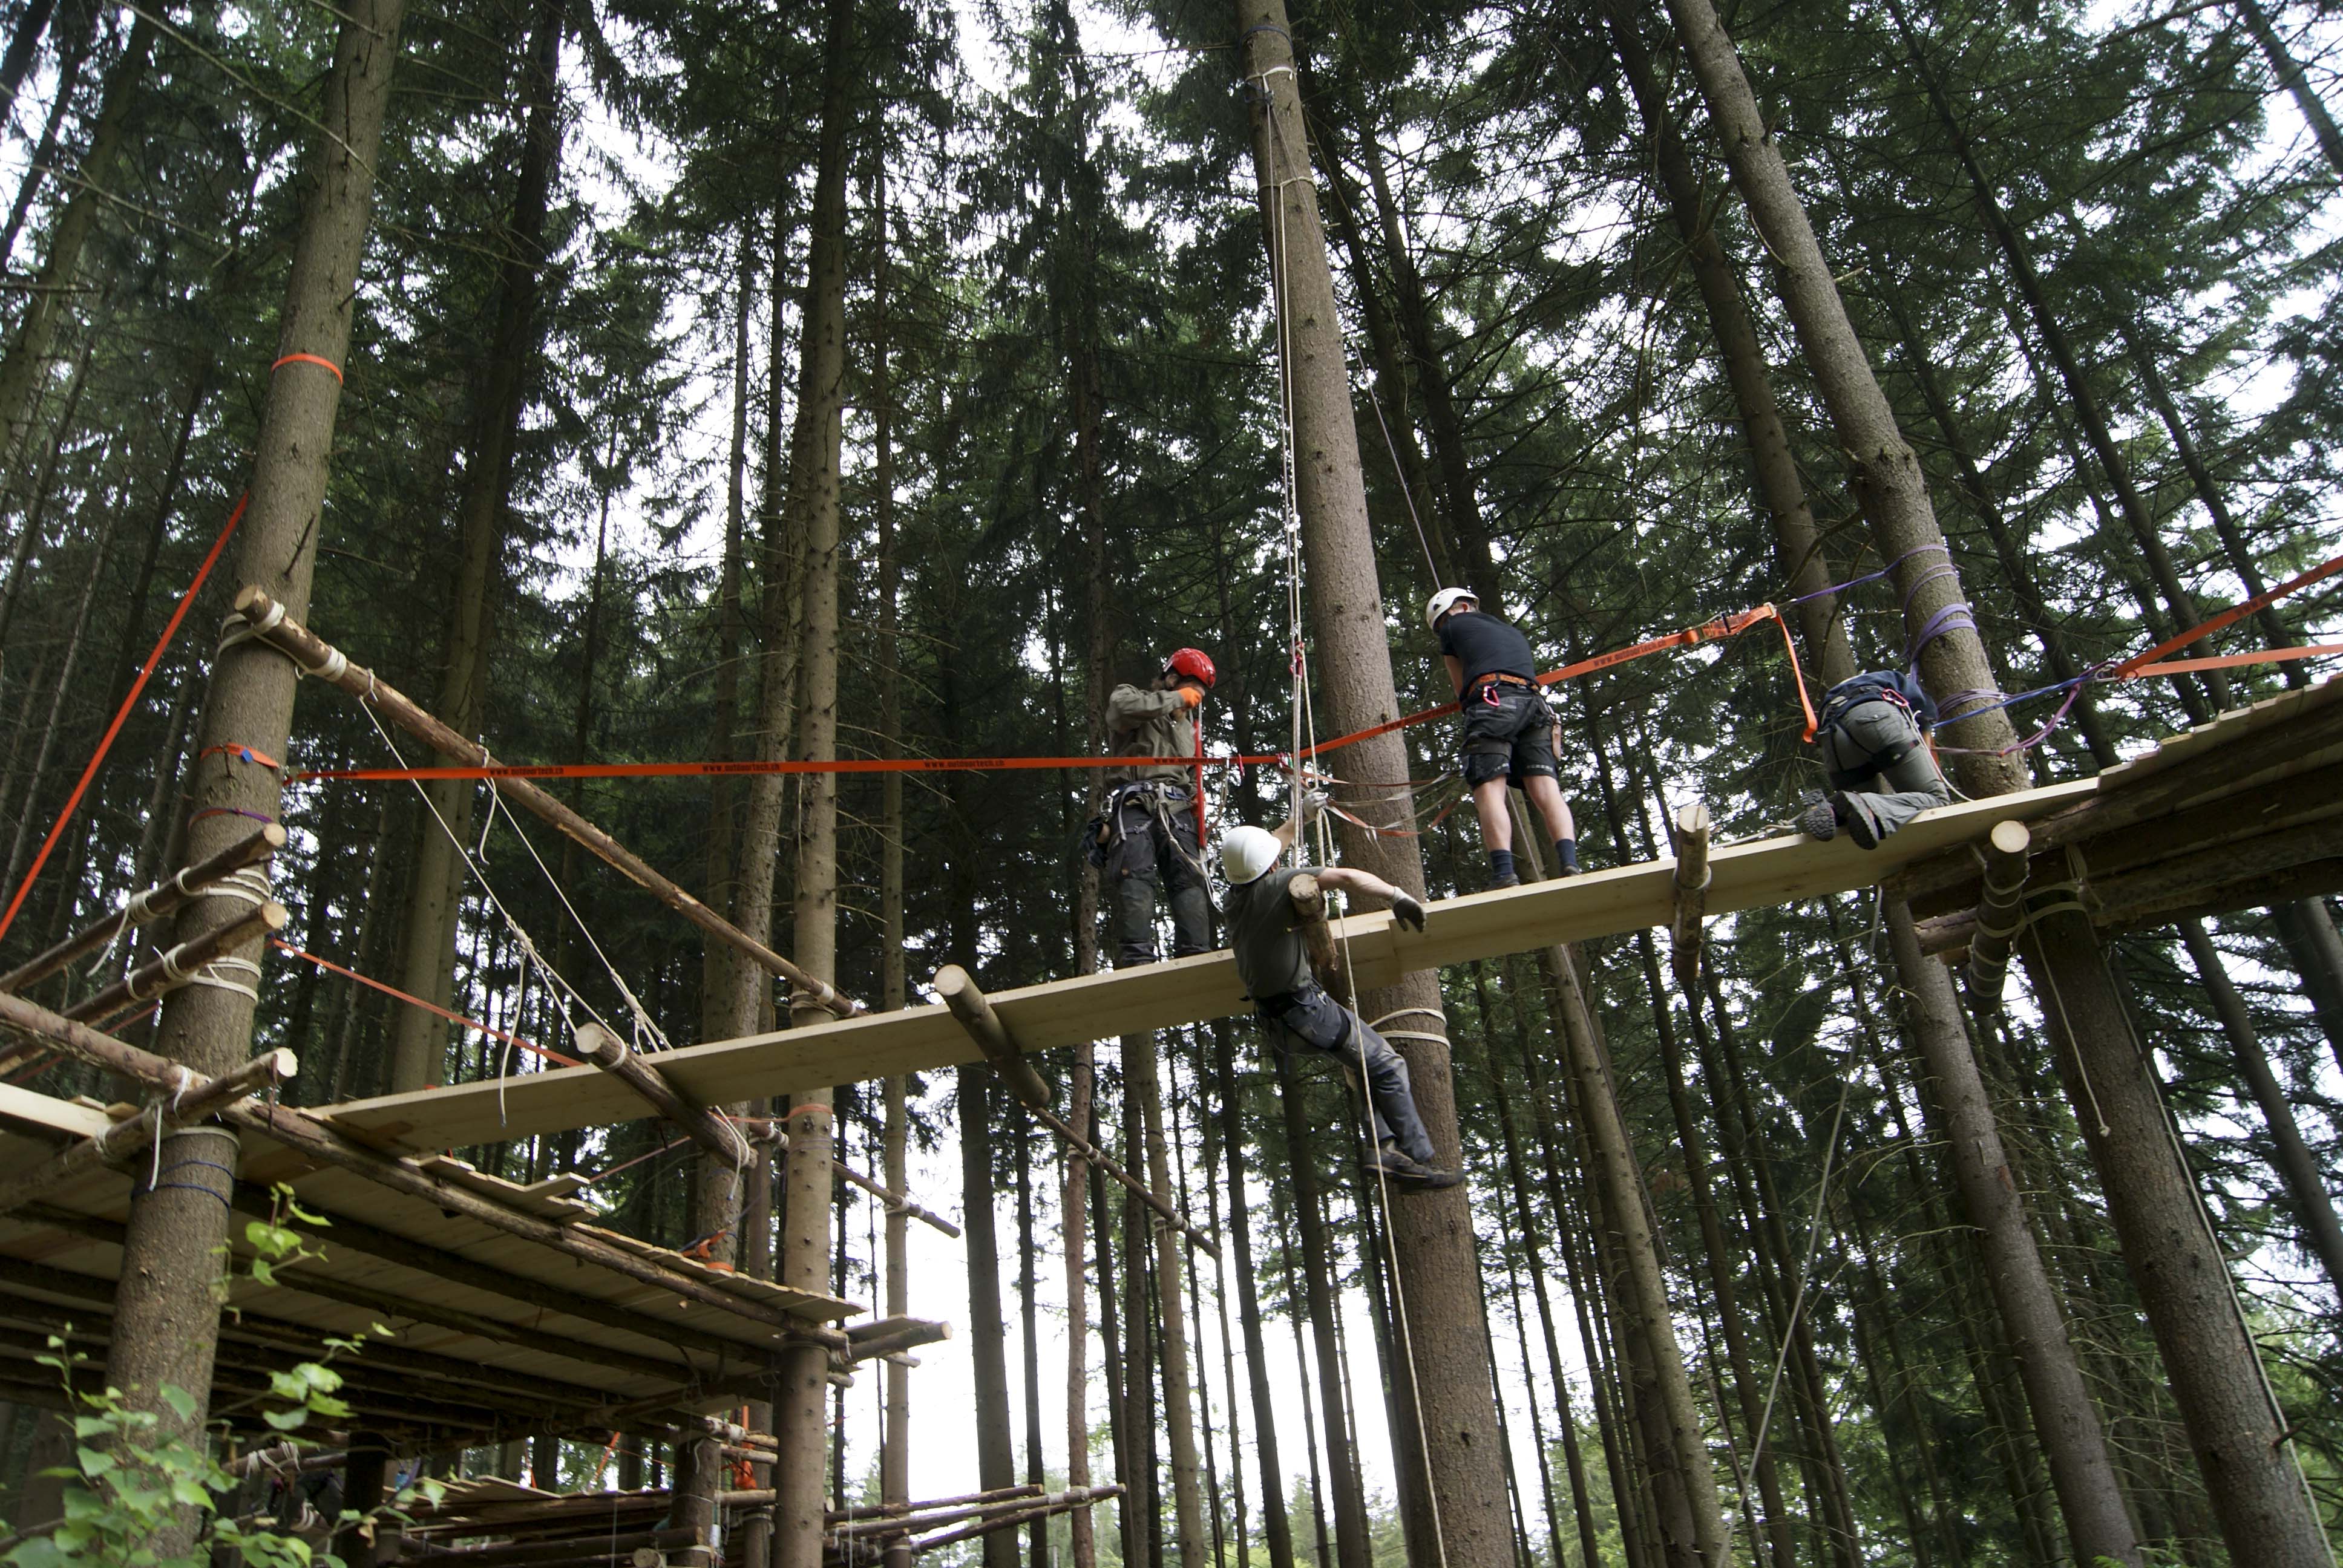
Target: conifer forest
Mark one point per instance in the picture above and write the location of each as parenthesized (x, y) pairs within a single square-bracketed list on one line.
[(749, 1128)]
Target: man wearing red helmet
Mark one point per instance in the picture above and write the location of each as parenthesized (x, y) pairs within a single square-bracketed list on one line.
[(1147, 834)]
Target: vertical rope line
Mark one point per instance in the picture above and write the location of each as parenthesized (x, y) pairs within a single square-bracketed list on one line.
[(1305, 716), (1805, 1273)]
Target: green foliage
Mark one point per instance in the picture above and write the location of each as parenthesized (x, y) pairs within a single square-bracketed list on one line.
[(136, 1476)]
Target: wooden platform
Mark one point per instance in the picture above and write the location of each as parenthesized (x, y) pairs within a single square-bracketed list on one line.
[(2241, 811), (2257, 774)]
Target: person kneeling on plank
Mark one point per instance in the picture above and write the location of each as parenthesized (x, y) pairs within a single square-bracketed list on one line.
[(1147, 832), (1509, 734), (1883, 770), (1274, 965)]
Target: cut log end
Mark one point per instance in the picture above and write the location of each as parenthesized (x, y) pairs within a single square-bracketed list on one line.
[(2010, 838)]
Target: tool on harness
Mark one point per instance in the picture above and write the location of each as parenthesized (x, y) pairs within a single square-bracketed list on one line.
[(1161, 799)]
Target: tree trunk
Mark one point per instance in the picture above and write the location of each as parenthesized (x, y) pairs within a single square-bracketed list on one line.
[(426, 962), (2307, 930), (54, 289), (1275, 1527), (799, 1430), (2289, 74), (2066, 1420), (1884, 472), (1798, 544), (2297, 1168), (1353, 1545), (1143, 1084), (996, 1462), (166, 1314), (1438, 1271), (2072, 374), (28, 823), (71, 60), (24, 43)]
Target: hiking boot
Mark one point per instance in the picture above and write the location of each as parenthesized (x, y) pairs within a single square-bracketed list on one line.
[(1817, 820), (1504, 879), (1572, 871), (1413, 1175), (1859, 824)]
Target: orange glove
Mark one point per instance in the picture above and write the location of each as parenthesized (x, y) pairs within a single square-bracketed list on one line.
[(1190, 696)]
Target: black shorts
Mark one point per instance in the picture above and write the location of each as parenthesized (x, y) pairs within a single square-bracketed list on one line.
[(1508, 734)]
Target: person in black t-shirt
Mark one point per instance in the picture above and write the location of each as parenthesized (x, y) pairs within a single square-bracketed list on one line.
[(1509, 734)]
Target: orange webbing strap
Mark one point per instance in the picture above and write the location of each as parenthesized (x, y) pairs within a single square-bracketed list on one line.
[(2227, 661), (1707, 631), (2234, 613), (285, 947)]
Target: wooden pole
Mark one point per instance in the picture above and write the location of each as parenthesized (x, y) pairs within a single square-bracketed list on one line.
[(976, 1015), (892, 1336), (710, 1130), (178, 966), (124, 1138), (166, 898), (974, 1011), (270, 625), (1998, 916), (1691, 880)]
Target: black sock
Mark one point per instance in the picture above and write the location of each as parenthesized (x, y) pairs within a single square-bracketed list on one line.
[(1501, 861), (1565, 852)]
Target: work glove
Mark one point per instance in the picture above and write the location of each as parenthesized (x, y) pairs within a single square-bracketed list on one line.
[(1314, 802), (1407, 912), (1190, 695)]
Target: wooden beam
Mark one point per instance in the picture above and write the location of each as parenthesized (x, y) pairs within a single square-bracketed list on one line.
[(178, 966), (1999, 913), (974, 1012), (305, 1134), (968, 1004), (41, 1027), (164, 1115), (1309, 901), (1690, 885), (389, 1247), (704, 1127), (166, 898), (316, 657), (891, 1336), (1166, 995)]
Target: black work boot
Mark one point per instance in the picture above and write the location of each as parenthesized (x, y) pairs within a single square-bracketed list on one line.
[(1411, 1174), (1817, 820), (1860, 825)]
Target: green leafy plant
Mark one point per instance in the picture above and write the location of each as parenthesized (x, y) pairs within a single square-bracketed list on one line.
[(130, 1482)]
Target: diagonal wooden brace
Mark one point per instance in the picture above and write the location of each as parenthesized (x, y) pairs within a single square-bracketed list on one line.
[(268, 623), (974, 1010), (704, 1128)]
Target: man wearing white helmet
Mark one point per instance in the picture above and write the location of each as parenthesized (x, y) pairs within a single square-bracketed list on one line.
[(1509, 734), (1274, 966)]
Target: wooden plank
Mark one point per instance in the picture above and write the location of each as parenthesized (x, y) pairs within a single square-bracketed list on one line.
[(1184, 990)]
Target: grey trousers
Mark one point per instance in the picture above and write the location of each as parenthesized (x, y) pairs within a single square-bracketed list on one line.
[(1896, 793), (1310, 1017)]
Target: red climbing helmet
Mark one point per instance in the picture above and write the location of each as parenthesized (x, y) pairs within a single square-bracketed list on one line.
[(1191, 661)]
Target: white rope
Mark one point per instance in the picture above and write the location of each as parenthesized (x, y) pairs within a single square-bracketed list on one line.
[(1805, 1273), (563, 991), (1305, 723)]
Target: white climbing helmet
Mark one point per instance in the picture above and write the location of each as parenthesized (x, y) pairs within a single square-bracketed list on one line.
[(1443, 601), (1246, 853)]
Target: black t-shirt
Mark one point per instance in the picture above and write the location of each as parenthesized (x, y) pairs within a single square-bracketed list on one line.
[(1264, 934), (1484, 645)]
